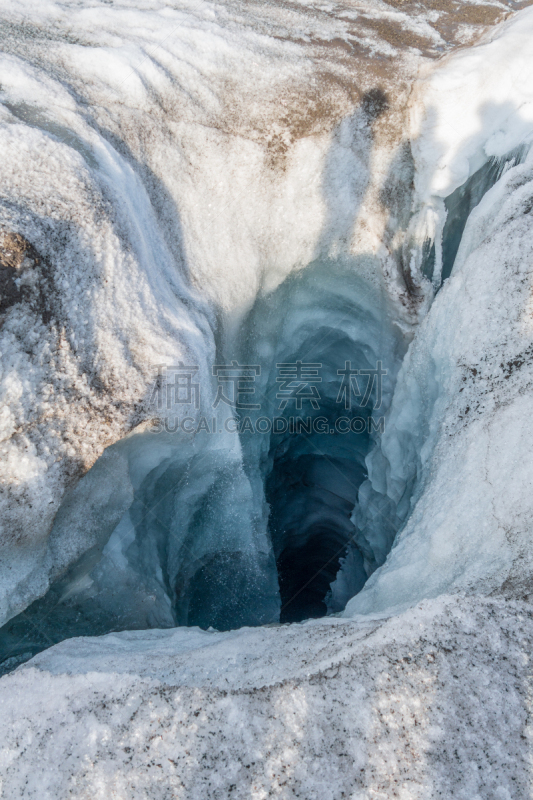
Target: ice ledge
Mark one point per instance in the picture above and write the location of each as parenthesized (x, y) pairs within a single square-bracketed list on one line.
[(405, 707)]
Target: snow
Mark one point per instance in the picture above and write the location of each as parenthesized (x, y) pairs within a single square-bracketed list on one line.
[(434, 702), (479, 103), (214, 181), (456, 440)]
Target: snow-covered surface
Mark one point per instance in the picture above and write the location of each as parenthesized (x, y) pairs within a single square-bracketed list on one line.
[(433, 703), (166, 167), (477, 104)]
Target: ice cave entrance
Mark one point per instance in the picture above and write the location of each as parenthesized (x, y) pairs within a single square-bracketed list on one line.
[(249, 528)]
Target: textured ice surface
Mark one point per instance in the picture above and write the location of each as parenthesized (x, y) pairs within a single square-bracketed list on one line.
[(196, 542), (460, 407), (434, 702), (168, 164), (161, 194), (454, 460), (155, 217), (200, 182)]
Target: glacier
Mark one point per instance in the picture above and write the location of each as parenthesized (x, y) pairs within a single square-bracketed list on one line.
[(236, 608)]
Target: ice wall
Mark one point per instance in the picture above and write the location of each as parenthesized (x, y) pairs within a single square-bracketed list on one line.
[(228, 529), (452, 469), (166, 170), (147, 199), (329, 316)]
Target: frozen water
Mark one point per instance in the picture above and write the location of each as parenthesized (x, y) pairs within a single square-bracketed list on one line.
[(458, 207), (325, 316), (132, 543), (434, 701), (264, 182), (196, 542)]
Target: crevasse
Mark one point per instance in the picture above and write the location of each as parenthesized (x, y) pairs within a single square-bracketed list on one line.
[(252, 528), (227, 529)]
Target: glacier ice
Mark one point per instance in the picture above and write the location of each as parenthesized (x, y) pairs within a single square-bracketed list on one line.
[(262, 184), (160, 219), (458, 207), (228, 530), (432, 700), (267, 521), (440, 442), (176, 510)]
